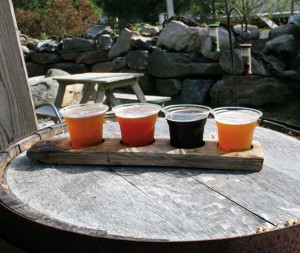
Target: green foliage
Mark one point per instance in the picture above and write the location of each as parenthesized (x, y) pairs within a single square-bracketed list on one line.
[(57, 17)]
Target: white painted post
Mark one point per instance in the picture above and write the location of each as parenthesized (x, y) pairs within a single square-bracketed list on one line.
[(170, 8)]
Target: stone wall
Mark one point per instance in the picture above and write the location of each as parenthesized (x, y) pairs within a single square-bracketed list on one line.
[(178, 62)]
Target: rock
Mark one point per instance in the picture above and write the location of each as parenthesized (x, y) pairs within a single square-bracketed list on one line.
[(34, 69), (101, 67), (294, 63), (282, 47), (25, 50), (149, 29), (72, 68), (140, 42), (195, 91), (78, 44), (223, 42), (96, 30), (56, 72), (45, 89), (147, 83), (286, 29), (164, 64), (295, 19), (252, 91), (122, 45), (137, 59), (168, 87), (69, 56), (104, 42), (179, 37), (49, 46), (92, 57), (258, 67), (45, 58), (251, 34), (118, 64)]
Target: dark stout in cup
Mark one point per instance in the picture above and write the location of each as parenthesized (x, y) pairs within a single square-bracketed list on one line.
[(186, 125)]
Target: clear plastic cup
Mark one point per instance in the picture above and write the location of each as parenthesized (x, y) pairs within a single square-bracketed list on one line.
[(137, 123), (85, 123), (186, 124), (236, 127)]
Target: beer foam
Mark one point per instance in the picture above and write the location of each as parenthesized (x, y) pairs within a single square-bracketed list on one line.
[(136, 110), (185, 115), (236, 117), (83, 111)]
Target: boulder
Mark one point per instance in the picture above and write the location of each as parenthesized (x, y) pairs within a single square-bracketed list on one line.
[(118, 64), (78, 44), (137, 59), (45, 58), (101, 67), (96, 30), (122, 45), (223, 43), (34, 69), (164, 64), (282, 47), (72, 68), (149, 29), (104, 42), (168, 87), (69, 56), (48, 46), (179, 37), (147, 83), (195, 91), (56, 72), (258, 67), (140, 42), (251, 34), (44, 89), (252, 91), (286, 29), (92, 57)]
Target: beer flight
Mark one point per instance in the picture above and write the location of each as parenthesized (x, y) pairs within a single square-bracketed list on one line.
[(186, 122)]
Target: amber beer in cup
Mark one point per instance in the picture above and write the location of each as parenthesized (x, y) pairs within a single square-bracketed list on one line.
[(137, 123), (236, 126), (186, 124), (85, 123)]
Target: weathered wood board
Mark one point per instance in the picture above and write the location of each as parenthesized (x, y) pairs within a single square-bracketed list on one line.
[(17, 116), (160, 153)]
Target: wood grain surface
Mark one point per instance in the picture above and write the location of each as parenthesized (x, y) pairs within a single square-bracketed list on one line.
[(160, 153), (156, 202), (17, 116)]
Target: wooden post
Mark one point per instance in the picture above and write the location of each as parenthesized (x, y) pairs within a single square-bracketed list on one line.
[(17, 116), (170, 8)]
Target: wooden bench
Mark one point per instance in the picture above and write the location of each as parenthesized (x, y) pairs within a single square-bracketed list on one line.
[(47, 111), (133, 98)]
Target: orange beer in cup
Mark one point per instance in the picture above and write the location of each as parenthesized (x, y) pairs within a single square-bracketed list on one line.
[(137, 123), (85, 123), (236, 127)]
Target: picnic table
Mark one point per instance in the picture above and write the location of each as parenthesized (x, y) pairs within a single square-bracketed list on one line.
[(105, 84), (93, 208)]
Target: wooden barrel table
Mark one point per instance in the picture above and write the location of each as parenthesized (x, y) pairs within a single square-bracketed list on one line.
[(93, 208)]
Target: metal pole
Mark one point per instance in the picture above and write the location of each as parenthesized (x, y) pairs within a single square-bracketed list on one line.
[(231, 53)]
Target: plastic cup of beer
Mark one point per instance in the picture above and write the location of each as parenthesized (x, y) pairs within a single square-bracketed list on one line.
[(186, 124), (137, 123), (236, 127), (85, 123)]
